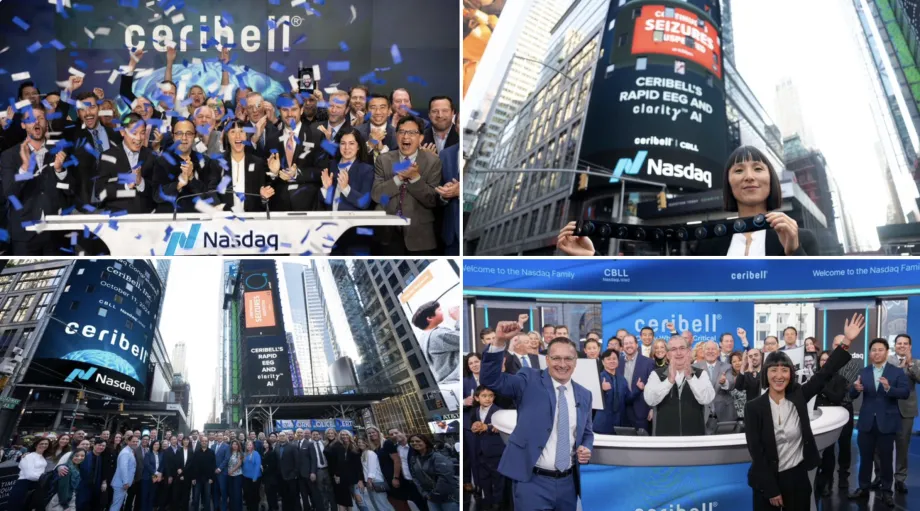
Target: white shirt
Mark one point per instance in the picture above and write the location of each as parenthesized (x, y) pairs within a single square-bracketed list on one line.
[(404, 458), (238, 177), (788, 433), (320, 460), (412, 157), (32, 466), (646, 350), (439, 142), (656, 390), (132, 159), (371, 466), (547, 459), (739, 242), (338, 191), (484, 412)]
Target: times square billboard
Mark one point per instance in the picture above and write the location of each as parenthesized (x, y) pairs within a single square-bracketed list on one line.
[(660, 119), (266, 362), (101, 331)]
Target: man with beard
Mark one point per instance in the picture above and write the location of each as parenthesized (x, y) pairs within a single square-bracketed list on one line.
[(679, 410), (126, 171), (13, 133), (400, 104), (300, 176), (357, 104), (181, 177), (208, 140), (338, 104), (441, 133), (165, 97), (749, 379), (38, 184)]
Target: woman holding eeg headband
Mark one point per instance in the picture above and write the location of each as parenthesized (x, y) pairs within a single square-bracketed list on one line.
[(751, 188)]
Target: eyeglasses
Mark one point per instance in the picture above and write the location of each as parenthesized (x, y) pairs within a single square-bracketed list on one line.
[(183, 134), (567, 360), (679, 349), (403, 133)]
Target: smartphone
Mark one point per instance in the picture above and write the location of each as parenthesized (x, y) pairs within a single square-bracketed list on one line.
[(308, 78)]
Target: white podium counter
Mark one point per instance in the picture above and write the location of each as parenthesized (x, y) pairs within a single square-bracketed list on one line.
[(156, 234)]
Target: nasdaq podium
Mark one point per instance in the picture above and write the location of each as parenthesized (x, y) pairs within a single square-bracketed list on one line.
[(706, 473), (219, 233)]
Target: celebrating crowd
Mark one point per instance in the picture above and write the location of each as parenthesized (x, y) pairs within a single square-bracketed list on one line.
[(72, 152), (673, 388), (298, 470)]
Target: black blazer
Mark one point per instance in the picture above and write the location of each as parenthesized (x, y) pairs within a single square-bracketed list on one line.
[(749, 383), (335, 456), (513, 363), (203, 464), (288, 463), (452, 137), (758, 428), (166, 182), (107, 180), (255, 169), (87, 164), (302, 193), (808, 245), (271, 472), (306, 458), (45, 193)]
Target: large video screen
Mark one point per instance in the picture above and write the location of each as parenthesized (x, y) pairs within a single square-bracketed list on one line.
[(101, 331), (259, 285), (680, 33), (267, 367)]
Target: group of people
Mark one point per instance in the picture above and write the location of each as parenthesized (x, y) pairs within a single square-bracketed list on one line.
[(298, 470), (71, 152), (645, 381)]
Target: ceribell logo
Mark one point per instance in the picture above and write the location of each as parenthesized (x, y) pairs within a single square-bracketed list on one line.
[(179, 239), (705, 506), (108, 381)]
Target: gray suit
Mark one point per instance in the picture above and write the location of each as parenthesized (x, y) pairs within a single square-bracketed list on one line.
[(418, 200), (723, 406), (908, 409)]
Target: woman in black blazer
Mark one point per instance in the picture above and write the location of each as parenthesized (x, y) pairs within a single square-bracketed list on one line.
[(271, 473), (259, 187), (777, 480), (750, 187), (831, 395)]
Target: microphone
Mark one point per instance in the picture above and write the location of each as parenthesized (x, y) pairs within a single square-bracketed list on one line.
[(661, 233), (190, 196), (268, 215)]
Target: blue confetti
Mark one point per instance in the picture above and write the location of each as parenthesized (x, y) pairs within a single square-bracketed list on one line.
[(67, 250), (277, 67), (88, 208), (338, 65), (37, 45), (300, 39), (14, 201), (329, 147), (285, 245), (24, 176), (384, 200), (222, 187), (228, 231), (169, 231), (86, 232), (329, 194), (402, 166), (113, 224), (305, 236), (4, 235), (152, 252), (73, 237), (128, 3), (22, 24), (97, 229), (343, 46), (394, 52), (274, 2), (307, 253), (364, 201), (67, 211), (80, 64), (137, 237), (126, 179), (418, 80), (122, 212), (363, 231), (83, 7)]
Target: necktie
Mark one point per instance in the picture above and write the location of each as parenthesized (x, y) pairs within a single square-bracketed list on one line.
[(563, 449), (97, 142), (322, 459), (280, 451), (402, 194), (525, 361), (711, 368), (901, 360), (289, 149)]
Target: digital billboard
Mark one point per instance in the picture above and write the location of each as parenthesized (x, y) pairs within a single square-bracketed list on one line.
[(432, 304), (267, 366), (100, 333), (707, 321), (479, 21), (260, 312), (259, 286), (680, 33)]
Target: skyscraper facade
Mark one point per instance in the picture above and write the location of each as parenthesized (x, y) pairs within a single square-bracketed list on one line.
[(178, 359)]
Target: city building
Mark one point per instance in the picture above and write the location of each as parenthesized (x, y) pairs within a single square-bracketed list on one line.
[(178, 359), (811, 175), (789, 113), (40, 297)]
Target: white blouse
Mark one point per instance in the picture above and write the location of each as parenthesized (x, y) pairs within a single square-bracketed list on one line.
[(371, 466), (32, 466), (739, 242), (788, 434)]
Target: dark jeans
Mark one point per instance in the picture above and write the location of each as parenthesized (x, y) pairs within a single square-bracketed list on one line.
[(290, 496), (845, 444), (271, 495), (180, 494), (202, 492), (414, 495), (825, 476), (235, 492), (251, 494), (17, 499)]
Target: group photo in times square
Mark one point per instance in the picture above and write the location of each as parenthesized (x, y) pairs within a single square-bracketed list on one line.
[(143, 128), (690, 384), (216, 384), (690, 127)]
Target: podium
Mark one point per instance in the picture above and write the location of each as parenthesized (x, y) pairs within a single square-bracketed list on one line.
[(706, 473), (221, 233)]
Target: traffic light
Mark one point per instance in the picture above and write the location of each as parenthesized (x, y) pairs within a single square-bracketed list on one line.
[(662, 200), (121, 407), (80, 395)]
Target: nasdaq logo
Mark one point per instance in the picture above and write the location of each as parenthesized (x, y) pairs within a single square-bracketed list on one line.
[(246, 240), (179, 239), (629, 167), (79, 373)]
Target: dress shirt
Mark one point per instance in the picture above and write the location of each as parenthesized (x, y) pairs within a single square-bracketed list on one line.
[(132, 159), (547, 459), (320, 458), (788, 433), (877, 374), (439, 140), (339, 191), (404, 458), (381, 147), (371, 466), (238, 176), (646, 350), (629, 370), (412, 158), (101, 135), (484, 412), (758, 245), (156, 463), (656, 389), (32, 466)]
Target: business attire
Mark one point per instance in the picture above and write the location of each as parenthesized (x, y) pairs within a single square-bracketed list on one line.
[(879, 422), (908, 409), (339, 467), (222, 459), (248, 176), (764, 243), (722, 407), (831, 395), (271, 477), (299, 148), (115, 194), (850, 372), (639, 368), (307, 461), (539, 456), (486, 451), (781, 442), (252, 479), (100, 140), (388, 143), (206, 175), (202, 470), (182, 479), (89, 494), (450, 139), (124, 476), (288, 461), (153, 464), (413, 199), (749, 383), (515, 361), (678, 412), (448, 215), (616, 402)]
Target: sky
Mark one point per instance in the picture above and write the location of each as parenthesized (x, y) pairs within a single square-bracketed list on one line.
[(191, 313), (813, 44)]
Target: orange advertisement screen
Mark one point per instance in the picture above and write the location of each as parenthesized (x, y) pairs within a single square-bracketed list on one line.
[(679, 33), (260, 311)]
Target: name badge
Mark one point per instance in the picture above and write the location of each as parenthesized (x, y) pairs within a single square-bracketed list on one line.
[(292, 187), (63, 186), (252, 167)]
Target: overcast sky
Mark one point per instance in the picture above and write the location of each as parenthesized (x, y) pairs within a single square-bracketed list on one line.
[(191, 313)]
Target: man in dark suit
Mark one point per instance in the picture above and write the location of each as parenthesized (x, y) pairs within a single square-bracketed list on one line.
[(904, 359), (636, 369), (882, 385), (88, 138), (450, 203), (266, 135), (441, 134), (379, 135), (517, 357), (38, 184), (288, 464), (405, 184), (749, 379), (300, 173), (544, 449), (181, 177), (13, 131), (127, 159), (306, 457)]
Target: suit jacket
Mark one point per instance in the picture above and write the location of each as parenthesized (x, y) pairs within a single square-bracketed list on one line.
[(302, 194), (306, 458), (513, 363), (615, 402), (360, 182), (453, 138), (389, 139), (723, 406), (420, 198), (271, 471), (637, 409), (908, 406), (288, 463), (107, 180), (47, 193), (126, 466), (490, 443), (532, 390), (450, 213), (150, 464), (878, 404), (86, 169), (256, 177), (222, 457), (808, 245), (749, 383), (204, 463), (139, 463), (763, 476), (206, 177)]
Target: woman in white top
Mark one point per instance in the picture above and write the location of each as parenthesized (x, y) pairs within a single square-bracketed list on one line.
[(31, 468), (376, 484)]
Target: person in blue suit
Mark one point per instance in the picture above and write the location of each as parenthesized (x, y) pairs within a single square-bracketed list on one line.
[(617, 395), (346, 186), (548, 442), (89, 495), (124, 473), (449, 192), (636, 369), (881, 384), (487, 447), (154, 468), (222, 458), (471, 365)]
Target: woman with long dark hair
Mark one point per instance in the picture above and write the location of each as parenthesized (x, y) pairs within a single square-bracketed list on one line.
[(65, 490), (750, 187), (346, 186), (778, 428), (739, 396), (31, 468), (182, 477), (433, 474), (271, 472), (235, 476)]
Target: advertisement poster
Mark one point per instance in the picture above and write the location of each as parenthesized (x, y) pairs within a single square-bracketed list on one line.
[(480, 17), (266, 366), (432, 304), (679, 33), (260, 312)]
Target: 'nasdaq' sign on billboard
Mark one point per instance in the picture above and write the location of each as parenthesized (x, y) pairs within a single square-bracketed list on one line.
[(102, 328)]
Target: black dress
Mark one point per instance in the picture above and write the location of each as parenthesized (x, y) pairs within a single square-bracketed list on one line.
[(341, 490)]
